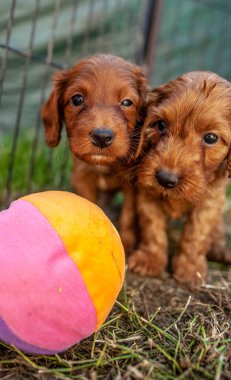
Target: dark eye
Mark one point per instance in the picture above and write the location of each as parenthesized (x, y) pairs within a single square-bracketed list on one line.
[(77, 100), (161, 126), (210, 138), (126, 103)]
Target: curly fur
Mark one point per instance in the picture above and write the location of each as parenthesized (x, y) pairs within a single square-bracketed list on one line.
[(103, 81), (191, 106)]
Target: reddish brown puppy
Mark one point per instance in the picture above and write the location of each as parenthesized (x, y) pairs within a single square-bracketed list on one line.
[(101, 101), (184, 173)]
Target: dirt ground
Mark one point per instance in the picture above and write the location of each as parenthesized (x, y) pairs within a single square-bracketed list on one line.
[(157, 330)]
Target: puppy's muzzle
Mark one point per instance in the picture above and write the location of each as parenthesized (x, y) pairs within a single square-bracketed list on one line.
[(167, 179), (102, 137)]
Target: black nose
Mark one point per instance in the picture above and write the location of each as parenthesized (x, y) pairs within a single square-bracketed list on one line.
[(167, 179), (102, 137)]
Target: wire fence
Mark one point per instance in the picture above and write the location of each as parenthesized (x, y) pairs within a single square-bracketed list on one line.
[(193, 35), (39, 36)]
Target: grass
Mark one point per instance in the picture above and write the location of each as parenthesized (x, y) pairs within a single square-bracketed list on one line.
[(50, 168), (155, 331)]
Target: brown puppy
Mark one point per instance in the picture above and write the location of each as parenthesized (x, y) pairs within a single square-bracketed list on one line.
[(184, 173), (101, 101)]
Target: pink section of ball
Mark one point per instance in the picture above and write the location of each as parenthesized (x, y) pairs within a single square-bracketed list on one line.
[(43, 298)]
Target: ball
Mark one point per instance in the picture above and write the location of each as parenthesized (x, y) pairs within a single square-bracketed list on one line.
[(62, 267)]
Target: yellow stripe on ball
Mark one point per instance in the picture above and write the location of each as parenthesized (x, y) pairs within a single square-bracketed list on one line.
[(92, 242)]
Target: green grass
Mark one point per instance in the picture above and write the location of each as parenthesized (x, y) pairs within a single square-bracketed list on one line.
[(51, 167), (155, 331)]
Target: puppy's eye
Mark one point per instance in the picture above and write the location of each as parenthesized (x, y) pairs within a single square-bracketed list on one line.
[(126, 103), (77, 100), (161, 126), (210, 138)]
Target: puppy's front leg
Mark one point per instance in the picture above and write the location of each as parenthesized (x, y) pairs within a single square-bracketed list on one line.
[(151, 256), (190, 264), (128, 219), (84, 181), (218, 251)]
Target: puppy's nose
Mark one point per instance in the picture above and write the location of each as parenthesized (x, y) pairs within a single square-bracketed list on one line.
[(167, 179), (102, 137)]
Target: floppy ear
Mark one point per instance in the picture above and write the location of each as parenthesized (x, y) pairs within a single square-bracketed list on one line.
[(52, 112), (154, 98), (229, 154), (142, 84), (142, 87), (229, 163), (160, 93)]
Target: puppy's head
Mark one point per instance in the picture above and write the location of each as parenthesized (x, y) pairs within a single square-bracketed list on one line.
[(188, 132), (101, 100)]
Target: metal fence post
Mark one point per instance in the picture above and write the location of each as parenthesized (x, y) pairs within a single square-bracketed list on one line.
[(150, 29)]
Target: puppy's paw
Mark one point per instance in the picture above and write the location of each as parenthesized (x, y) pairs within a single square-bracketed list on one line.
[(147, 263), (189, 272), (220, 254), (129, 241)]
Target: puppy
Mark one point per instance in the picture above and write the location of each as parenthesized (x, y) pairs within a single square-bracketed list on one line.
[(101, 100), (184, 173)]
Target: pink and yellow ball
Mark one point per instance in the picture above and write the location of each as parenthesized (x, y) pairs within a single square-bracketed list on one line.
[(62, 267)]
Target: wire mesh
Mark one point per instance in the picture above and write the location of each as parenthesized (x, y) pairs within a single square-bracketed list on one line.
[(193, 35), (39, 36)]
